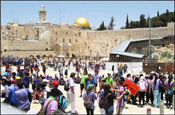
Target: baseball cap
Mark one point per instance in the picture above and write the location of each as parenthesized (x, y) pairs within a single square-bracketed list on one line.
[(55, 82), (18, 77)]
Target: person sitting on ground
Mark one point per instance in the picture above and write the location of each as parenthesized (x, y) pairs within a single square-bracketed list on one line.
[(61, 81), (77, 80)]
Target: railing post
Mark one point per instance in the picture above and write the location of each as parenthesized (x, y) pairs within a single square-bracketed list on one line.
[(162, 107), (148, 111)]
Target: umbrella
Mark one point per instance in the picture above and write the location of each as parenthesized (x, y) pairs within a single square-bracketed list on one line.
[(61, 56), (105, 59)]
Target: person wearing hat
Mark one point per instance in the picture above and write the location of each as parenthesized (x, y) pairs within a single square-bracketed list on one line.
[(93, 97), (71, 93), (52, 102), (55, 84), (109, 80), (61, 80)]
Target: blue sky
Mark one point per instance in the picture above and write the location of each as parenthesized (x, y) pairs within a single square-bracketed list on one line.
[(94, 11)]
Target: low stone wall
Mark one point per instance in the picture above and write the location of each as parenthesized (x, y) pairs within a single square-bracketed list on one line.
[(28, 53), (133, 67)]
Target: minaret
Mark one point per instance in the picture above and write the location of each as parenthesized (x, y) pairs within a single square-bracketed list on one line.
[(42, 14)]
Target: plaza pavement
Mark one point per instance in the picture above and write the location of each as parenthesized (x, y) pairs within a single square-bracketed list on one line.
[(132, 109)]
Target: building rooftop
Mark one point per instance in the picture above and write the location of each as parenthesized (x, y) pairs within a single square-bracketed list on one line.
[(123, 46), (128, 54)]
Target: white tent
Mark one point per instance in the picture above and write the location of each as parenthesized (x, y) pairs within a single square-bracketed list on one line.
[(60, 56), (105, 59)]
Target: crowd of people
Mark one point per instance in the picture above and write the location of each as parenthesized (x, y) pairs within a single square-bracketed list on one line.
[(108, 89)]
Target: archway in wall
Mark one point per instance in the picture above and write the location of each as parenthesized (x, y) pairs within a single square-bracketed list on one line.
[(31, 56), (38, 56)]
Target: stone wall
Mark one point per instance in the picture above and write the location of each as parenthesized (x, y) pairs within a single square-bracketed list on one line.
[(70, 39)]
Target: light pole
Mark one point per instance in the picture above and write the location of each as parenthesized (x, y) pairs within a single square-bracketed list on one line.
[(150, 40)]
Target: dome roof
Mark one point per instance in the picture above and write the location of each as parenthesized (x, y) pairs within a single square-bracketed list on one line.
[(83, 22)]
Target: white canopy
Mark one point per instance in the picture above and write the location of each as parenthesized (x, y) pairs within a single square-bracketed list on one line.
[(61, 56), (105, 59)]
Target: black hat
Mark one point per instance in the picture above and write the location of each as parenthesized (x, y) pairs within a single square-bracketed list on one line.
[(72, 74)]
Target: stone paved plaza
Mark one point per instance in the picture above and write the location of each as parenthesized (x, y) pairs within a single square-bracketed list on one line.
[(132, 109)]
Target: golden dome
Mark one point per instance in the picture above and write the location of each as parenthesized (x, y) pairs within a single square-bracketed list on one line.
[(83, 22)]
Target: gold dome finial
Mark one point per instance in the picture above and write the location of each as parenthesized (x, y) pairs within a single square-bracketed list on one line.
[(83, 22)]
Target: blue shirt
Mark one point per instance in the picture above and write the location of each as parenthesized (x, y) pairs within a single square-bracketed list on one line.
[(157, 85), (101, 95), (93, 82), (96, 77), (92, 98), (130, 79), (23, 101), (12, 87)]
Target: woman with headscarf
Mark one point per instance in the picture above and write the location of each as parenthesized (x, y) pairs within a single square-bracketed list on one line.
[(90, 94)]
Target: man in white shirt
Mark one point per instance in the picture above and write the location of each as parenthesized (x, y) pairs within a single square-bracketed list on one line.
[(71, 93)]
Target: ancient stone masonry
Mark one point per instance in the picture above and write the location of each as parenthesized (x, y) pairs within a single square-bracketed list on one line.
[(71, 39)]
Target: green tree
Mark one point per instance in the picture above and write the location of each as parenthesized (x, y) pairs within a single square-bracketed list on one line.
[(167, 12), (111, 24), (102, 26), (157, 13), (134, 24), (127, 22), (155, 22), (147, 22), (142, 21)]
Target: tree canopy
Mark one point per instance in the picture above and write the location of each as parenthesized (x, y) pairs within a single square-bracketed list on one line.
[(157, 21)]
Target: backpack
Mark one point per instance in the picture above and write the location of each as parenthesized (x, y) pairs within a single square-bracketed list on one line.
[(170, 90), (62, 103), (104, 102), (43, 111), (66, 86), (142, 86), (13, 98), (87, 101), (30, 97), (66, 70), (161, 87)]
